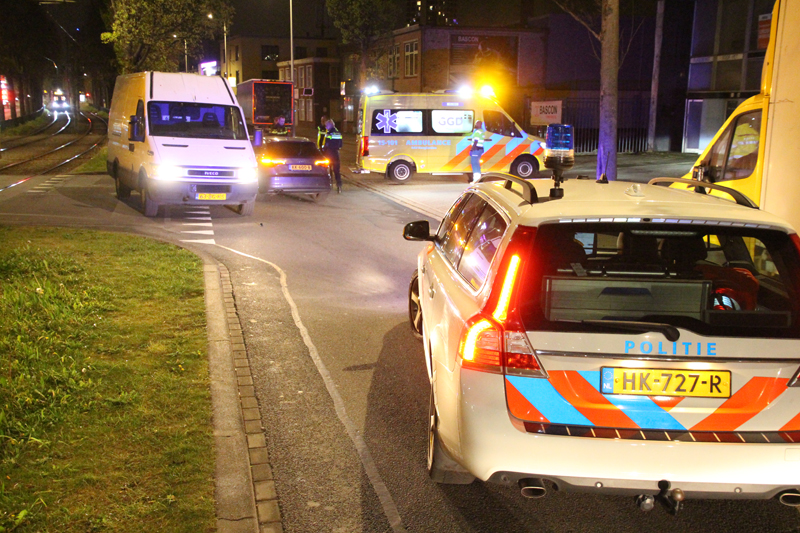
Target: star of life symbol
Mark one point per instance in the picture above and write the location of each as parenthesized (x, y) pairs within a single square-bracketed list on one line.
[(387, 121)]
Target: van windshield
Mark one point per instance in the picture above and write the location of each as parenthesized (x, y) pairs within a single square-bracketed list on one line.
[(711, 279), (197, 121)]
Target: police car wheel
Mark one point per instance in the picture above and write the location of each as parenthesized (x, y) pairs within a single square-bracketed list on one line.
[(441, 467), (400, 171), (524, 167), (414, 308)]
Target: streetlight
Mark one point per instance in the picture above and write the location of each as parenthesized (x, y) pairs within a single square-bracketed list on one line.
[(225, 43), (185, 54)]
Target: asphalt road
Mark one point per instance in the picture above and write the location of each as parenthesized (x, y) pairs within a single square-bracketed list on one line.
[(346, 431)]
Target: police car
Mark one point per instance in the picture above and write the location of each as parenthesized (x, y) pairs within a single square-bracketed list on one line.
[(614, 338)]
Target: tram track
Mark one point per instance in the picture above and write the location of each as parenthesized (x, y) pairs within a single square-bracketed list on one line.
[(27, 139)]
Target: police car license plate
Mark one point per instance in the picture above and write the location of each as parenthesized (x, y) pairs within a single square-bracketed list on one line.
[(211, 196), (299, 167), (666, 382)]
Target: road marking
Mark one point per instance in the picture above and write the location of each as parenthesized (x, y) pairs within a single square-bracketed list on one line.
[(206, 224), (201, 241), (198, 218), (389, 507), (200, 232)]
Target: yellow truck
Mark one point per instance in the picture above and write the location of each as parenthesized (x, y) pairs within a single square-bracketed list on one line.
[(757, 150)]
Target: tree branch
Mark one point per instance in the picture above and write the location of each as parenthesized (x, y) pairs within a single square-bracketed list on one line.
[(574, 14)]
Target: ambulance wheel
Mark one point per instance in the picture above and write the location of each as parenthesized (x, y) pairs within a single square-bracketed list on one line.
[(441, 467), (400, 171), (524, 166)]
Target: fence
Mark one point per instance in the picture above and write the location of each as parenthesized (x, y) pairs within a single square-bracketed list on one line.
[(632, 119)]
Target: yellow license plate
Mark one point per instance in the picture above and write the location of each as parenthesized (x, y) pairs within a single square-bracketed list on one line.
[(666, 382), (211, 196)]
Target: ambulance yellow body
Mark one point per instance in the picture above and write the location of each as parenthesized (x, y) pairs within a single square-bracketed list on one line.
[(401, 134)]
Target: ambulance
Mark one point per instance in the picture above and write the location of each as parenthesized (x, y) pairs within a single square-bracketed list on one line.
[(756, 151), (400, 134)]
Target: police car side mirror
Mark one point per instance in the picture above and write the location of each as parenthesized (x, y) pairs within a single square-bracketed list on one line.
[(418, 231)]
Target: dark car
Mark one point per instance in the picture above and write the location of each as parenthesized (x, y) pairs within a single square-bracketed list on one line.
[(293, 165)]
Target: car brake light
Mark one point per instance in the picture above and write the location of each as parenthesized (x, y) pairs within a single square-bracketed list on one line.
[(365, 146), (272, 162), (480, 346), (501, 311), (322, 163)]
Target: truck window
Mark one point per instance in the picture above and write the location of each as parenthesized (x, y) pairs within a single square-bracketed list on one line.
[(390, 122), (497, 122), (197, 121), (451, 121), (743, 154)]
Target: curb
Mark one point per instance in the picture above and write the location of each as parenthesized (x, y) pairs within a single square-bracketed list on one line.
[(245, 495)]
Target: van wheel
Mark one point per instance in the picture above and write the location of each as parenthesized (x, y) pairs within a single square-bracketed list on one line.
[(400, 171), (524, 166), (122, 190), (149, 207), (246, 209), (441, 467)]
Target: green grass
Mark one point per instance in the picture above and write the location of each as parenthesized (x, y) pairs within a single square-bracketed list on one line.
[(97, 164), (92, 109), (104, 393), (28, 127)]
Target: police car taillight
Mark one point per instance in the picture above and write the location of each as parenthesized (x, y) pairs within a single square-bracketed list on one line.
[(364, 146), (492, 344)]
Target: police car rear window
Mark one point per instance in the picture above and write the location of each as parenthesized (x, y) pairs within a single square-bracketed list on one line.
[(710, 279)]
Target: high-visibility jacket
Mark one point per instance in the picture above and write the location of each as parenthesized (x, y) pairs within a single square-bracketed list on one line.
[(333, 143), (476, 139), (321, 133)]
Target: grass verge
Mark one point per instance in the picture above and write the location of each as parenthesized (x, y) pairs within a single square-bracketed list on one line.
[(28, 127), (104, 393), (97, 164)]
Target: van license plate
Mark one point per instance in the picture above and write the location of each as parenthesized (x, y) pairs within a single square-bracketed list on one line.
[(666, 382), (211, 196), (300, 167)]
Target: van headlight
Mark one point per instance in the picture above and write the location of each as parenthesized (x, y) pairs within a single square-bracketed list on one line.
[(168, 172), (248, 175)]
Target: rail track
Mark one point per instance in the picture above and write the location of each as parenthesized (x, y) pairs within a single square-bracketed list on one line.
[(30, 138)]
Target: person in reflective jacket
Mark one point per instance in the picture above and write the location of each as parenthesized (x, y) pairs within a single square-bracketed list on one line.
[(333, 143), (476, 139), (321, 131)]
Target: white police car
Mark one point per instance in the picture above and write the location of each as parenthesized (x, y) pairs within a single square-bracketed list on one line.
[(623, 339)]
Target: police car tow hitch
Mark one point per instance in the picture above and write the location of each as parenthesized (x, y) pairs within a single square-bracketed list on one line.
[(532, 488), (671, 499)]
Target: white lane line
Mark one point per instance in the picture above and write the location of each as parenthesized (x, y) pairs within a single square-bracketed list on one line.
[(389, 507), (200, 232), (205, 224), (198, 218), (201, 241), (204, 212)]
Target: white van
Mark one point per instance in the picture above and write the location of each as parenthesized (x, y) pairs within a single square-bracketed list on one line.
[(180, 139), (403, 133)]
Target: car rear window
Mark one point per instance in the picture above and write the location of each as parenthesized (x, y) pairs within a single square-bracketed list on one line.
[(292, 149), (710, 279)]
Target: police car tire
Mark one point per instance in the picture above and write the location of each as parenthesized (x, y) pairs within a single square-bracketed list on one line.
[(414, 308), (441, 467), (524, 167), (400, 171)]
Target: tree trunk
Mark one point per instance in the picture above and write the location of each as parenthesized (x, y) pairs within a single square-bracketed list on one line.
[(609, 67), (651, 126), (12, 95)]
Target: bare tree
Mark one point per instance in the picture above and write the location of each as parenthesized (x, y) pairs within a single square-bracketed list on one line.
[(586, 13)]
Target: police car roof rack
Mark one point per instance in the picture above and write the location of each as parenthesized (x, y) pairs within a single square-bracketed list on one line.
[(528, 192), (701, 186)]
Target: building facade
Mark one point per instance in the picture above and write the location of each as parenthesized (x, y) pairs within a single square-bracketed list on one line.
[(316, 81), (729, 41)]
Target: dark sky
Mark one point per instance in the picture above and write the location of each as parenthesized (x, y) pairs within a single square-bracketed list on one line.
[(271, 17)]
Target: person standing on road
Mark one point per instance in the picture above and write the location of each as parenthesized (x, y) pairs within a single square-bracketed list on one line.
[(333, 143), (321, 131), (476, 139)]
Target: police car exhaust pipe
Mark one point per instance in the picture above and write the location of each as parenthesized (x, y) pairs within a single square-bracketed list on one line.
[(533, 488), (792, 499)]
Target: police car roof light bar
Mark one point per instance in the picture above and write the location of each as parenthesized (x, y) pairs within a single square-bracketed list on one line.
[(528, 192), (701, 186)]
